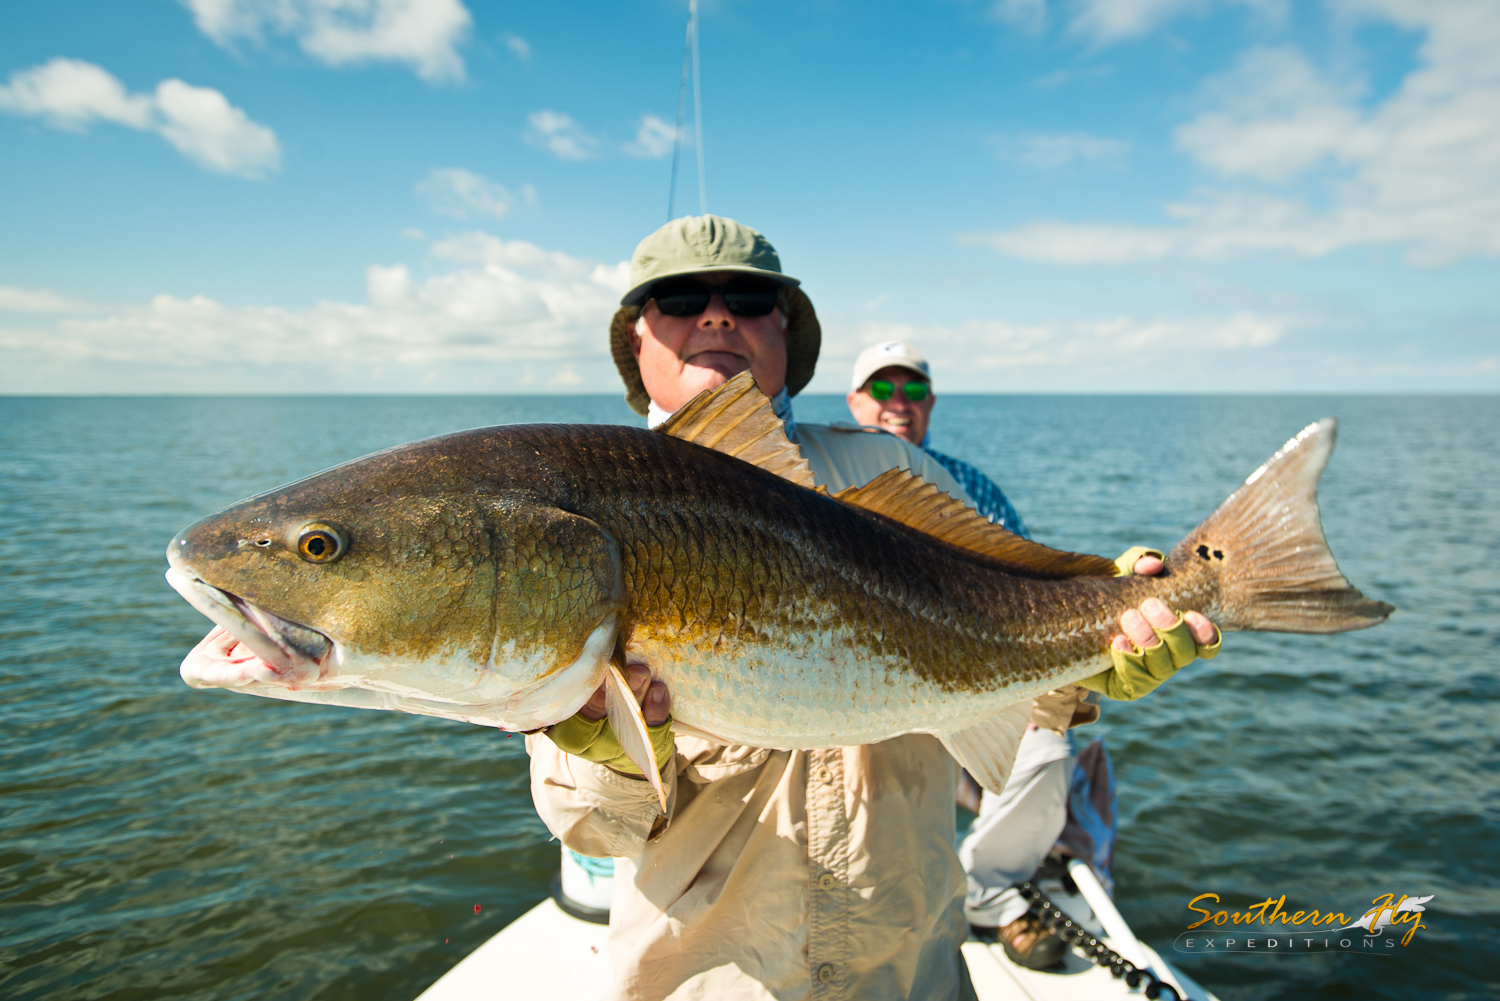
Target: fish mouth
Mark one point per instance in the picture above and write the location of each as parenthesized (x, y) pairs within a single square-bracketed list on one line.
[(249, 646)]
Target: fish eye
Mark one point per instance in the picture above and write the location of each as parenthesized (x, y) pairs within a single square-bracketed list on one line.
[(320, 543)]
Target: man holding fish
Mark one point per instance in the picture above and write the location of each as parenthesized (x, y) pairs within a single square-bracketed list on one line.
[(786, 874), (824, 657)]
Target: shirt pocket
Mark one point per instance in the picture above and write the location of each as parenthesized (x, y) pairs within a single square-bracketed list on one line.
[(708, 762)]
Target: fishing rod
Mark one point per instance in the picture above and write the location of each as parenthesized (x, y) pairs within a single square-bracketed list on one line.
[(689, 57)]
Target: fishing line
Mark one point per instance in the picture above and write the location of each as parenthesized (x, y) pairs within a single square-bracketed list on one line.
[(689, 57), (687, 50), (698, 109)]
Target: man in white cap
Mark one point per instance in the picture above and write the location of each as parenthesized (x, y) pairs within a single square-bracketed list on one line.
[(892, 389), (774, 874)]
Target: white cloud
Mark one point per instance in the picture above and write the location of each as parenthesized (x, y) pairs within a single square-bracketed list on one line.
[(1105, 22), (1290, 347), (1074, 243), (70, 94), (503, 307), (453, 191), (653, 139), (1088, 355), (519, 47), (522, 258), (508, 315), (998, 344), (25, 300), (502, 303), (1028, 15), (1115, 20), (208, 129), (560, 135), (1305, 169), (199, 121), (1046, 151), (423, 34), (1277, 118)]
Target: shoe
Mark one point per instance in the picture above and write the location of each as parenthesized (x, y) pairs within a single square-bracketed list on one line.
[(1029, 943)]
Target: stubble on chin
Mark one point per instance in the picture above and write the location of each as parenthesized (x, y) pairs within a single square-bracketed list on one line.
[(711, 374), (694, 379), (725, 364)]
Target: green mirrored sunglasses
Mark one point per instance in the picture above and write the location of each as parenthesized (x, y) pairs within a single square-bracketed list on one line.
[(916, 392)]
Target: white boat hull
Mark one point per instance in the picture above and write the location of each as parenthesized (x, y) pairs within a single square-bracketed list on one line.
[(545, 953), (549, 953)]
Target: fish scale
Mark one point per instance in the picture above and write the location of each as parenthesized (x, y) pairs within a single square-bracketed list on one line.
[(890, 614), (491, 575)]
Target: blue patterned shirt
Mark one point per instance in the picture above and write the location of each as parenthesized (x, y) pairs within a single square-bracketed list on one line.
[(989, 500)]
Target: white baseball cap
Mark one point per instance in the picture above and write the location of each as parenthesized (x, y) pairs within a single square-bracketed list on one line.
[(897, 353)]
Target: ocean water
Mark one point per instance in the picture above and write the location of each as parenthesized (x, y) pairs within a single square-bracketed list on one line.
[(158, 842)]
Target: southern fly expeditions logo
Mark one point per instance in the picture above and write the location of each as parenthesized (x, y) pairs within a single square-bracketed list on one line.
[(1267, 927)]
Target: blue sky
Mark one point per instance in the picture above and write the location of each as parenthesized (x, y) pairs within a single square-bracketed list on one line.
[(270, 196)]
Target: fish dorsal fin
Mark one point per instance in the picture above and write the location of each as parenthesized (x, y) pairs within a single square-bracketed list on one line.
[(737, 419), (902, 496)]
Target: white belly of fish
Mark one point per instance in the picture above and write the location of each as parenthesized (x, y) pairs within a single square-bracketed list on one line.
[(808, 696)]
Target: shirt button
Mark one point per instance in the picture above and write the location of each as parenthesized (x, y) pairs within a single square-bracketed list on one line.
[(825, 973), (825, 775), (826, 881)]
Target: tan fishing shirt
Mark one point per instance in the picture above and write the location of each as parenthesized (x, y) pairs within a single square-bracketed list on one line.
[(784, 875)]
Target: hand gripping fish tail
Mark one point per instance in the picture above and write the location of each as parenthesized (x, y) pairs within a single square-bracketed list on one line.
[(500, 576)]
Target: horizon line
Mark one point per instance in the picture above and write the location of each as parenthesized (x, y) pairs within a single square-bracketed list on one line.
[(804, 395)]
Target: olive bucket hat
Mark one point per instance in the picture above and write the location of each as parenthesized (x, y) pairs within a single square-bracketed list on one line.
[(701, 244)]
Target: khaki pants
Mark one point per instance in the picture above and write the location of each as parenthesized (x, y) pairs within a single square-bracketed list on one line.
[(1015, 830)]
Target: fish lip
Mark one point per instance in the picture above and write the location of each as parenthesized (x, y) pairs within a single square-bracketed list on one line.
[(292, 654)]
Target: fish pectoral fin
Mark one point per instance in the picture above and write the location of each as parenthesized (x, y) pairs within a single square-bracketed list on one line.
[(681, 729), (629, 725), (987, 750), (737, 419), (904, 497)]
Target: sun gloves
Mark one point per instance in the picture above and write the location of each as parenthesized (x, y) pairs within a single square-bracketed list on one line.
[(593, 740), (1138, 672)]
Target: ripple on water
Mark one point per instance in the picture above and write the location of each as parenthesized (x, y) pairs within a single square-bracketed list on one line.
[(164, 843)]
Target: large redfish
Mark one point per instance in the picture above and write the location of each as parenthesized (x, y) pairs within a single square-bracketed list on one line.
[(497, 576)]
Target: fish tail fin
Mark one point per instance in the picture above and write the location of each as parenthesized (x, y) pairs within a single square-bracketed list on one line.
[(1266, 546)]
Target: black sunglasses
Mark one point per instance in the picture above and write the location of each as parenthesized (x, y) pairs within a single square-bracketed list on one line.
[(689, 297)]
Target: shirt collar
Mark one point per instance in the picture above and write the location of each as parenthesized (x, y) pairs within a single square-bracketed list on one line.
[(656, 416)]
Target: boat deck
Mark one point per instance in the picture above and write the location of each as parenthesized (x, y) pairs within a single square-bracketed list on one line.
[(549, 953)]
